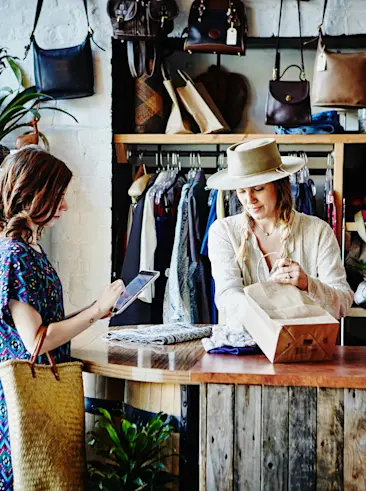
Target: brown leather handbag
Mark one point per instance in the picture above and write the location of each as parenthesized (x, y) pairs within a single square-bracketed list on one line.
[(339, 79), (217, 26), (288, 102)]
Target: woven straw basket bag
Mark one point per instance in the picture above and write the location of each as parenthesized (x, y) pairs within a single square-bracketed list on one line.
[(46, 422)]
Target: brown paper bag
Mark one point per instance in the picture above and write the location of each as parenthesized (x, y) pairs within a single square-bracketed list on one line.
[(287, 325), (200, 105), (177, 124)]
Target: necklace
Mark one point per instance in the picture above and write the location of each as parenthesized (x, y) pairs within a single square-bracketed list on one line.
[(267, 234)]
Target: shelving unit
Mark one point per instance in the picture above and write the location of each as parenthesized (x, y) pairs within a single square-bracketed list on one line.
[(338, 141)]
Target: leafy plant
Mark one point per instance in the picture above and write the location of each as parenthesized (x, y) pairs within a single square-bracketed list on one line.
[(131, 454), (17, 103)]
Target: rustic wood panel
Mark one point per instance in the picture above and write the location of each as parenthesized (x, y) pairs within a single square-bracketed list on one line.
[(354, 439), (203, 436), (220, 437), (302, 438), (247, 455), (330, 439), (274, 439)]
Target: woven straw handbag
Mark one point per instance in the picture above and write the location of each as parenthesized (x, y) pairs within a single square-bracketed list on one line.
[(46, 422)]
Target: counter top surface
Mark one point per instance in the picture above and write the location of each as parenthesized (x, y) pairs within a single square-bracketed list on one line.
[(187, 363)]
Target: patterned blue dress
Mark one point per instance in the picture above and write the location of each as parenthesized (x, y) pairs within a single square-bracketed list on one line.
[(28, 276)]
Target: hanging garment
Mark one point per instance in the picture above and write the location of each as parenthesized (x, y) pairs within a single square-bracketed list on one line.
[(176, 306)]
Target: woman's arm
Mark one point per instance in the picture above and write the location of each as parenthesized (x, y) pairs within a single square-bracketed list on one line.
[(330, 288), (229, 293), (27, 320)]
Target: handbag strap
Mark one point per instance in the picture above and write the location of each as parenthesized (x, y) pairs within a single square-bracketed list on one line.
[(36, 19), (276, 70), (145, 64), (40, 337)]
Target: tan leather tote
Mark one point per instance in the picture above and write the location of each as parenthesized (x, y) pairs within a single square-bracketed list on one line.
[(46, 422), (339, 79)]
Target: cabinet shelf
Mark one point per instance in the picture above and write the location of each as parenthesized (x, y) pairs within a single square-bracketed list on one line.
[(227, 139), (356, 312)]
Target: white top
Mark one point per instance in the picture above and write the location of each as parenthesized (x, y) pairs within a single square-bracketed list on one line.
[(312, 244)]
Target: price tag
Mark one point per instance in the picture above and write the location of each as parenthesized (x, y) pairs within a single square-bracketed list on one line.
[(321, 63), (231, 36)]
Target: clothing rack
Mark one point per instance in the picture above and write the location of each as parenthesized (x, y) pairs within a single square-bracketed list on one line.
[(203, 153)]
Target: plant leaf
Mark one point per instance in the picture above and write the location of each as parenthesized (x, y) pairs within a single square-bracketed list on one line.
[(15, 69), (61, 111)]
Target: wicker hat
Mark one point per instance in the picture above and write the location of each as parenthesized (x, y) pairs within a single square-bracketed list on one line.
[(252, 163)]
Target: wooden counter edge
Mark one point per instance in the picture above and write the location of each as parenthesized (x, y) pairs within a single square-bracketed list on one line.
[(138, 374), (280, 380)]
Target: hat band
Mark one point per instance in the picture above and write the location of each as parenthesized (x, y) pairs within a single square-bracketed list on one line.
[(277, 169)]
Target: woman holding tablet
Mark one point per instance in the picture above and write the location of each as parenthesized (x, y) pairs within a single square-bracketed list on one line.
[(33, 186)]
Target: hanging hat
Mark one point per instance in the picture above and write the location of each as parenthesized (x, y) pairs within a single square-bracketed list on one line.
[(252, 163)]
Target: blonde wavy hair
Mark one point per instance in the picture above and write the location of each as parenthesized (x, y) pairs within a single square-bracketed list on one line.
[(284, 206), (32, 185)]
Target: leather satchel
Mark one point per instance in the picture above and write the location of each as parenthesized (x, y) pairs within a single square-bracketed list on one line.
[(65, 73), (141, 24), (217, 26), (339, 78), (288, 102)]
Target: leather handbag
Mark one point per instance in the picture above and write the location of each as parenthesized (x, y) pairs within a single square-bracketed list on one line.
[(65, 73), (217, 26), (141, 24), (339, 79), (46, 422), (149, 109), (200, 106), (288, 102)]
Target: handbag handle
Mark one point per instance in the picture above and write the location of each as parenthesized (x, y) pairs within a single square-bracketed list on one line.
[(290, 66), (36, 19), (185, 76), (276, 70), (40, 337)]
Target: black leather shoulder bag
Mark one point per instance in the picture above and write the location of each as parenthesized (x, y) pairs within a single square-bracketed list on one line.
[(65, 73), (288, 102)]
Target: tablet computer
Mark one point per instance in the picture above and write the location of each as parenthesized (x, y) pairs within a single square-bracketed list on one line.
[(133, 290)]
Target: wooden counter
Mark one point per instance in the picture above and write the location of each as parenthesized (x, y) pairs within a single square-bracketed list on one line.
[(261, 426), (187, 363)]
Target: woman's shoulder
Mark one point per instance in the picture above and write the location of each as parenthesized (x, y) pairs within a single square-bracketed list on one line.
[(311, 224), (228, 224), (12, 247)]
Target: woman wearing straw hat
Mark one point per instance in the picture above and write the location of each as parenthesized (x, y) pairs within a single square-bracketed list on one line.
[(305, 252)]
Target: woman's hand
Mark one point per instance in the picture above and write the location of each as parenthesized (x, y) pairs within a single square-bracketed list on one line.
[(291, 273), (109, 297)]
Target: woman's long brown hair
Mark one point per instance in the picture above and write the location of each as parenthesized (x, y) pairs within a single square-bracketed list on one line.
[(32, 185)]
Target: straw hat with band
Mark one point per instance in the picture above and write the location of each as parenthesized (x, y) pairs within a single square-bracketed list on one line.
[(253, 163)]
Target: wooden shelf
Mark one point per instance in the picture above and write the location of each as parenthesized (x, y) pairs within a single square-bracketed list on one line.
[(227, 139), (356, 312)]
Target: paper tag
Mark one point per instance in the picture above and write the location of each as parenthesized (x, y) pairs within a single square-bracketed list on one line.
[(321, 63), (231, 36)]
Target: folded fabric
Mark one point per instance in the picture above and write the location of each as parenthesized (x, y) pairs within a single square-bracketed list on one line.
[(159, 334), (325, 122), (238, 350), (223, 335)]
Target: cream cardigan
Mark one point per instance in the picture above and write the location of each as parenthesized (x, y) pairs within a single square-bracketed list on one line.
[(312, 244)]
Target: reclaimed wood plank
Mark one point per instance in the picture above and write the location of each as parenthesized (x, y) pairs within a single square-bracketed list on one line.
[(354, 439), (220, 437), (274, 439), (203, 437), (330, 439), (247, 453), (302, 438)]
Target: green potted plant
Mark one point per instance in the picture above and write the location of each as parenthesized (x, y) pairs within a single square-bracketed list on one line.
[(19, 103), (130, 455)]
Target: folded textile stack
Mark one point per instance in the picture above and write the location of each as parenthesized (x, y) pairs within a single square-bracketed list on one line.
[(159, 334), (325, 122), (228, 336)]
